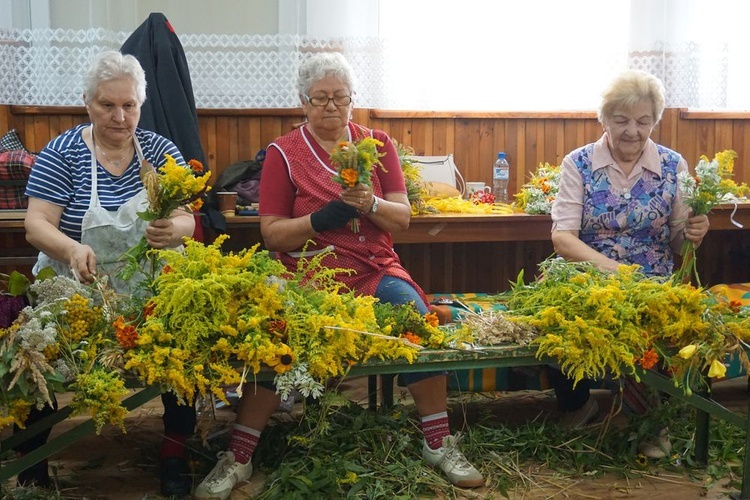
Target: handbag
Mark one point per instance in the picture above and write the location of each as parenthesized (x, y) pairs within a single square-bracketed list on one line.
[(440, 169)]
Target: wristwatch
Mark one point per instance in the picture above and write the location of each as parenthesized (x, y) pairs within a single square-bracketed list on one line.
[(374, 207)]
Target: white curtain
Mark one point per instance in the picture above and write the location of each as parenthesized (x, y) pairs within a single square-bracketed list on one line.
[(483, 55)]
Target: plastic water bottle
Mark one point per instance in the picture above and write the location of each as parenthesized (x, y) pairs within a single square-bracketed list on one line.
[(500, 178)]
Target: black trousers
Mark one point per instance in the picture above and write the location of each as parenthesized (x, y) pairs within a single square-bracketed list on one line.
[(569, 398)]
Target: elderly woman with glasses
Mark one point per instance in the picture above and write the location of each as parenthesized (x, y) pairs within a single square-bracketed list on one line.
[(300, 203)]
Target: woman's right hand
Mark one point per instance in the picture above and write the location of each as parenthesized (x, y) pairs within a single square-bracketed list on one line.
[(333, 215), (82, 261)]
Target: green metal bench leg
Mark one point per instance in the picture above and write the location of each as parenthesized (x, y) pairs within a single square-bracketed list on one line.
[(386, 388), (702, 430), (64, 440), (372, 392)]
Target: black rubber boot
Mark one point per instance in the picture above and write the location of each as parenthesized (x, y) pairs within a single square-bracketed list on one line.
[(175, 477), (36, 475)]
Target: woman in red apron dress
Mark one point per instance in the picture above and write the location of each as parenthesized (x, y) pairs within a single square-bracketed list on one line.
[(299, 201)]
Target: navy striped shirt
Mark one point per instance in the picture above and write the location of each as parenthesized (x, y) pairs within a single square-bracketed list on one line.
[(62, 175)]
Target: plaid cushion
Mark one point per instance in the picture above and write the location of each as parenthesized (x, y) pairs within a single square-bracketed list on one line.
[(15, 167), (10, 141)]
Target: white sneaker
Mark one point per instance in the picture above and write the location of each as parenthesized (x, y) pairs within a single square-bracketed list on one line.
[(658, 447), (219, 482), (453, 463)]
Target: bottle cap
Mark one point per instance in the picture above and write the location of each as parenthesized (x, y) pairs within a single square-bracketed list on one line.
[(501, 154)]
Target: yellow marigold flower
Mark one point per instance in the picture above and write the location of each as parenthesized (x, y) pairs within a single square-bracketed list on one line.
[(717, 369), (688, 351)]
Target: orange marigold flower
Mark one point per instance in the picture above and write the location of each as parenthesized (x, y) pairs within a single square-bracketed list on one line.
[(277, 327), (148, 309), (196, 166), (196, 205), (126, 334), (350, 176), (649, 359), (735, 305), (166, 269), (432, 318), (414, 339)]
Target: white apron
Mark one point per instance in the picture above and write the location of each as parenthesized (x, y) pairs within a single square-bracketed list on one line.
[(110, 234)]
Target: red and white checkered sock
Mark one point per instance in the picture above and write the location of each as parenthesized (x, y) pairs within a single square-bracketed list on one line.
[(243, 442), (435, 427)]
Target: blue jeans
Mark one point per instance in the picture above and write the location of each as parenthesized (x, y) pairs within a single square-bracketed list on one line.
[(397, 291)]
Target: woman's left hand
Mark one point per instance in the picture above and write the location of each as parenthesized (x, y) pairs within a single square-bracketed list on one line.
[(160, 233), (359, 197), (696, 228)]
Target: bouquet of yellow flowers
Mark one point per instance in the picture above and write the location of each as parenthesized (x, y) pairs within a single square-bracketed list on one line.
[(537, 195), (595, 323), (170, 187), (710, 186), (218, 318), (354, 163)]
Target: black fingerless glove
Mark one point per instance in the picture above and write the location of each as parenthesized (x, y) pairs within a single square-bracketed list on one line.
[(333, 215)]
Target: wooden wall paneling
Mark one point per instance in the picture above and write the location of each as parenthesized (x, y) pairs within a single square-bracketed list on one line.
[(444, 137), (722, 135), (245, 139), (555, 130), (426, 145), (207, 126), (271, 128), (534, 149), (704, 141), (480, 169), (516, 142), (401, 130), (742, 146), (5, 120), (592, 132), (255, 144), (223, 141), (233, 152), (466, 148), (687, 144)]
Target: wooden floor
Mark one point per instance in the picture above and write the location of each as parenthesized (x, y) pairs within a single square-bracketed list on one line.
[(123, 466)]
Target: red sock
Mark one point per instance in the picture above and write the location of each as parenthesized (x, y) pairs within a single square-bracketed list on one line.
[(435, 427), (173, 445), (243, 442)]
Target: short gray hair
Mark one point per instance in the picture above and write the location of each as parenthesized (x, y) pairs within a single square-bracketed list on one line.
[(322, 65), (112, 65), (629, 88)]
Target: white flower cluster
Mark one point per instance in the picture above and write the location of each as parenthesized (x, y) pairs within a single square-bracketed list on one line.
[(37, 333), (300, 379), (57, 288), (538, 203)]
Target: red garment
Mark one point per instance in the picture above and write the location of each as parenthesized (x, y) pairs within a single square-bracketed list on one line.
[(297, 180)]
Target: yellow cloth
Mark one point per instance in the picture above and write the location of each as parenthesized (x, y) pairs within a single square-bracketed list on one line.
[(737, 292)]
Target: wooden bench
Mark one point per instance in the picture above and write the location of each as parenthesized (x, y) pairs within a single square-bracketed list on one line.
[(429, 360)]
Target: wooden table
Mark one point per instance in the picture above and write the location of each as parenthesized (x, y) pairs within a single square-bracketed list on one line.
[(461, 253)]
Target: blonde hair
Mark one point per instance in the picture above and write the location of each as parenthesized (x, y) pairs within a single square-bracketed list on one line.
[(630, 88)]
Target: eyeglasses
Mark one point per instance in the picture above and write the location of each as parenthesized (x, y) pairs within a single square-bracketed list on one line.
[(338, 100)]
